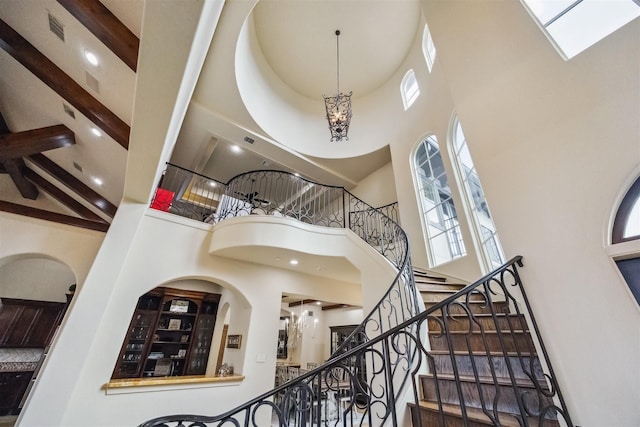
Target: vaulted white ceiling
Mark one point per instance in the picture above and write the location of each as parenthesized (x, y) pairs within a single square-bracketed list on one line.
[(297, 42)]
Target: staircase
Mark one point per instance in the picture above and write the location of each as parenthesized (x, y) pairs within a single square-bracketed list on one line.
[(485, 348), (469, 359)]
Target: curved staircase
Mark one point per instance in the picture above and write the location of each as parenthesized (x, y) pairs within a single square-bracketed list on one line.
[(473, 357)]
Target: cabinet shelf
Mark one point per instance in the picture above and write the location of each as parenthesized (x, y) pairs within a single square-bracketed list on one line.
[(168, 331), (176, 313), (170, 342)]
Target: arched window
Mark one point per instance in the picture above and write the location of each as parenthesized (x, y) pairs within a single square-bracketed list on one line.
[(409, 89), (439, 216), (485, 229), (626, 225), (428, 48)]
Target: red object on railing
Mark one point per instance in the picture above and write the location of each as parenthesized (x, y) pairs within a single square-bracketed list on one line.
[(162, 200)]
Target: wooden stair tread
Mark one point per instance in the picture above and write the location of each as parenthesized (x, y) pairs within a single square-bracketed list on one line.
[(451, 288), (479, 315), (523, 383), (473, 414), (472, 301), (481, 353), (426, 274), (486, 331)]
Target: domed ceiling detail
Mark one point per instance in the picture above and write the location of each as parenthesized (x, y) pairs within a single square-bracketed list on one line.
[(297, 38), (286, 62)]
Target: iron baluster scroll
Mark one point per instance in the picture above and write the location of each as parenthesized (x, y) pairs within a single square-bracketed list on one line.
[(479, 350), (507, 387)]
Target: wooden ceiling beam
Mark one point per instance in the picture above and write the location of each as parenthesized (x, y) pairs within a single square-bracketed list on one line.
[(335, 306), (19, 144), (15, 168), (52, 216), (302, 302), (32, 59), (61, 196), (73, 184), (107, 28)]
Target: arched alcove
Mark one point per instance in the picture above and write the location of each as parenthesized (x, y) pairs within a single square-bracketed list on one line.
[(35, 276)]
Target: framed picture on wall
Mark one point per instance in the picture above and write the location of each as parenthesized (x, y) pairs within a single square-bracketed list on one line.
[(233, 341)]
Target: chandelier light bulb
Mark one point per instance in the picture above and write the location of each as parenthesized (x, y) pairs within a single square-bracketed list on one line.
[(338, 107)]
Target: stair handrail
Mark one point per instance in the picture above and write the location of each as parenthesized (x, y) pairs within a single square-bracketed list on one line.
[(406, 346), (285, 194), (303, 391), (282, 193)]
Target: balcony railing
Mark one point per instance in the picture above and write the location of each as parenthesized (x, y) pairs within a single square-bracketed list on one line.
[(477, 355)]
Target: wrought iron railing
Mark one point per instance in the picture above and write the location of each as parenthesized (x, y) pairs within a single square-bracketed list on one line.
[(284, 194), (472, 356)]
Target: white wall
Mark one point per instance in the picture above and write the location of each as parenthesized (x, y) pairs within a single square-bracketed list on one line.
[(24, 238), (140, 253), (554, 142), (429, 115), (378, 189), (35, 278)]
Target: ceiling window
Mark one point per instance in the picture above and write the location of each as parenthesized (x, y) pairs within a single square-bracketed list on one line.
[(485, 230), (626, 225), (439, 216), (428, 48), (575, 25), (409, 89)]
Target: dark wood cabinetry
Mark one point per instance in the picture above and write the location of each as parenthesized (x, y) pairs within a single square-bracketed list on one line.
[(27, 323), (169, 335), (12, 388), (358, 364)]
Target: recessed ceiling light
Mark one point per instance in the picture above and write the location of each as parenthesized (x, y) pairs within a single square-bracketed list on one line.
[(97, 180), (212, 183), (96, 131), (296, 174), (236, 149), (318, 302), (293, 262), (91, 58)]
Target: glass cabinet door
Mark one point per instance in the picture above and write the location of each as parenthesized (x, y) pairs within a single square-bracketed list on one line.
[(133, 353), (202, 340)]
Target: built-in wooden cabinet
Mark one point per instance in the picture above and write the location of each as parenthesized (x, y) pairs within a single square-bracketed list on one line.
[(169, 335), (28, 323), (12, 388)]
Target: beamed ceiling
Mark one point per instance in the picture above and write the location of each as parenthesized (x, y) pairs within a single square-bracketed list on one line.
[(65, 124), (58, 128)]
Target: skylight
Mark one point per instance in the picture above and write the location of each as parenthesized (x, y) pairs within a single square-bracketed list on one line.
[(575, 25)]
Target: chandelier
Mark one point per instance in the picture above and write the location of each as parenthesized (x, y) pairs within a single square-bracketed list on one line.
[(339, 106)]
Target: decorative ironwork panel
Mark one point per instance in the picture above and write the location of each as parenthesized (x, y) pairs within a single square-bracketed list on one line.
[(479, 349)]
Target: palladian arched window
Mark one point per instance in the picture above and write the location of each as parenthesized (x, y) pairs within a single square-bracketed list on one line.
[(439, 216), (626, 227), (482, 222)]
